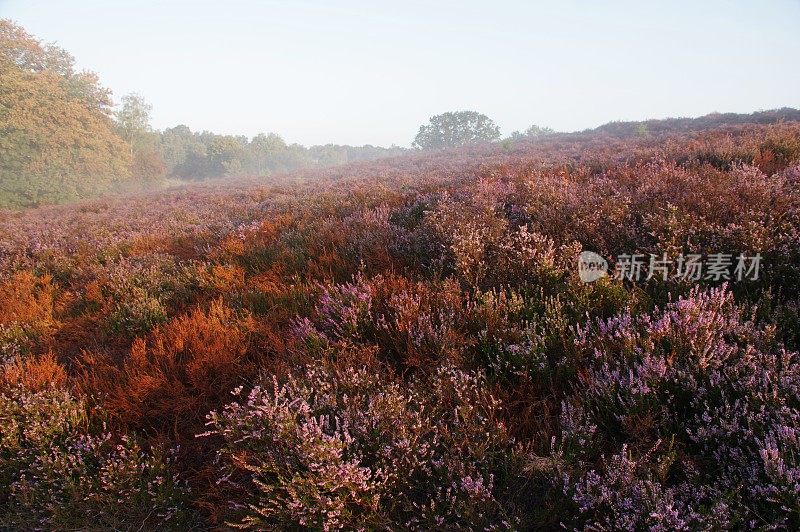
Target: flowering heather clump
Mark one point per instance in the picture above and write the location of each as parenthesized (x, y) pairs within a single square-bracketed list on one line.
[(60, 468), (412, 344), (344, 310), (139, 291), (710, 392), (139, 311), (417, 323), (627, 496), (466, 228), (410, 322), (370, 237), (513, 339), (348, 447), (13, 341)]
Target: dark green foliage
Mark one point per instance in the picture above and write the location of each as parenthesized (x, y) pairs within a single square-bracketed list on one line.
[(452, 129)]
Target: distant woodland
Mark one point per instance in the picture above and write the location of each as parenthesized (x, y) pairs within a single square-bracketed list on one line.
[(63, 138)]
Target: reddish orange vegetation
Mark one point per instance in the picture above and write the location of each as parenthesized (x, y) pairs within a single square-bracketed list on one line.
[(34, 374), (177, 372), (361, 289), (26, 298)]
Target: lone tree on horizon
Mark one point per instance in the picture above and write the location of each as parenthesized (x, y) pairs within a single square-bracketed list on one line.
[(453, 129)]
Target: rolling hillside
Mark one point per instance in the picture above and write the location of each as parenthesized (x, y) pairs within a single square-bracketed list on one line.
[(409, 343)]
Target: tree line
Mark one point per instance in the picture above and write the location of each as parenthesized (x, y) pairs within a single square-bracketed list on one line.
[(62, 138), (180, 153)]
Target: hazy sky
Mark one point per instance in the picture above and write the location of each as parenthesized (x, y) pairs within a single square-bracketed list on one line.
[(360, 72)]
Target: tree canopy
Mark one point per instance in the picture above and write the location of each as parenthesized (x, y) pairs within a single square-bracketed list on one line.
[(61, 139), (58, 141), (133, 118), (453, 129), (532, 132)]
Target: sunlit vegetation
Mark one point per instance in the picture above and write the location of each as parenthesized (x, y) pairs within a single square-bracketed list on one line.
[(312, 338), (406, 344), (62, 139), (58, 141)]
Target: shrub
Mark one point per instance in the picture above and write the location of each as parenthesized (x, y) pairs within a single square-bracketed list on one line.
[(700, 376), (32, 373), (139, 291), (61, 469), (138, 312), (178, 372), (410, 322), (27, 299), (627, 495), (344, 447)]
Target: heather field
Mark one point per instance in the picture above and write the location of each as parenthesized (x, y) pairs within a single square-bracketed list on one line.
[(409, 344)]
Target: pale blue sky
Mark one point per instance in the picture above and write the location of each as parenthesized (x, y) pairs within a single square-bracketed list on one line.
[(361, 72)]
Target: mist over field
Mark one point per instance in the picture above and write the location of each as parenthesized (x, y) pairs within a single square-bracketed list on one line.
[(485, 326)]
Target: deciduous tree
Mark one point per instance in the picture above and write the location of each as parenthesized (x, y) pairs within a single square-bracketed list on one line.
[(456, 129), (58, 141)]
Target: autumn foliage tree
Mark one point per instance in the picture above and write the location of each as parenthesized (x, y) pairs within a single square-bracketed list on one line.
[(58, 141)]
